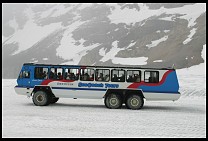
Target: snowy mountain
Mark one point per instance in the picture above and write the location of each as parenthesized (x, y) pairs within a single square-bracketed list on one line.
[(150, 35)]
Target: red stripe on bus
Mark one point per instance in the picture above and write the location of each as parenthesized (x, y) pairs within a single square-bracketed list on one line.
[(46, 82), (136, 85)]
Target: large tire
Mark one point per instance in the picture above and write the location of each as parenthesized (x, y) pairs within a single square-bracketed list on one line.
[(54, 100), (41, 98), (113, 101), (134, 102)]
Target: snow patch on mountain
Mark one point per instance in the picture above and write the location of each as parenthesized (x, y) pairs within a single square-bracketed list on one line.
[(130, 61), (112, 53), (56, 10), (4, 39), (192, 32), (61, 10), (45, 59), (189, 12), (131, 45), (13, 23), (31, 33), (158, 61), (102, 51), (171, 18), (131, 16), (166, 31), (156, 42), (118, 60), (84, 5), (68, 42)]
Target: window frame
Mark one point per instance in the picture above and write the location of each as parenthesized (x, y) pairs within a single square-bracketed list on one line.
[(22, 74), (118, 74), (57, 73), (80, 73), (103, 76), (46, 73), (140, 75), (157, 73)]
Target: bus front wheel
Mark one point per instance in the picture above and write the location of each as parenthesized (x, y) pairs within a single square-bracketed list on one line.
[(113, 101), (41, 98)]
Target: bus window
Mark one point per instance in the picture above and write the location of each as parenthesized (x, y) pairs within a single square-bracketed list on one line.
[(87, 74), (71, 74), (151, 76), (24, 74), (41, 73), (118, 76), (56, 73), (133, 76), (102, 75)]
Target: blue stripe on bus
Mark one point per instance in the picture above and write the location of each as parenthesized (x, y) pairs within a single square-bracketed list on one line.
[(24, 86), (90, 89), (94, 89), (167, 92)]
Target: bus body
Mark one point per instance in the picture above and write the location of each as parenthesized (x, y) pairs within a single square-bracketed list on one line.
[(118, 85)]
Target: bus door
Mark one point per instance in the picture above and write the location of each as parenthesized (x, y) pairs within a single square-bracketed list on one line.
[(24, 77)]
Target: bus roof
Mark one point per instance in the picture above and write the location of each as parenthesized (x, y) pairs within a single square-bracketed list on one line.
[(121, 67)]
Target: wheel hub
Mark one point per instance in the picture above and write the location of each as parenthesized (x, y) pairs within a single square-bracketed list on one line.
[(134, 102), (39, 98), (113, 101)]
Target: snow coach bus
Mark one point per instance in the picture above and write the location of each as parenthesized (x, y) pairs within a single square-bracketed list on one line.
[(117, 85)]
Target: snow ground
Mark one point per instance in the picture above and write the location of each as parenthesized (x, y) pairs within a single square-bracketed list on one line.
[(90, 118)]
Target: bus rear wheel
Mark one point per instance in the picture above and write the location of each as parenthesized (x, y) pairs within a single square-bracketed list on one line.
[(41, 98), (113, 101), (134, 102)]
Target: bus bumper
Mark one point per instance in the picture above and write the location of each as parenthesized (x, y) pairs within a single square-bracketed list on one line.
[(23, 90)]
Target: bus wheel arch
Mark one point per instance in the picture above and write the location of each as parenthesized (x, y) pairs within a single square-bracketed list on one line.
[(113, 99), (42, 95), (134, 99)]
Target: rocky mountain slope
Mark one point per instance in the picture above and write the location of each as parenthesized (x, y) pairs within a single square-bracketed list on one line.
[(150, 35)]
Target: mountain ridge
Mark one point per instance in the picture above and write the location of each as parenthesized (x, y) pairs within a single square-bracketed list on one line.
[(149, 35)]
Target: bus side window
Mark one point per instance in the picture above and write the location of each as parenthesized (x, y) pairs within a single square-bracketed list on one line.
[(151, 76), (133, 76), (24, 74), (87, 74), (56, 73), (71, 74), (102, 75), (41, 73), (118, 76)]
